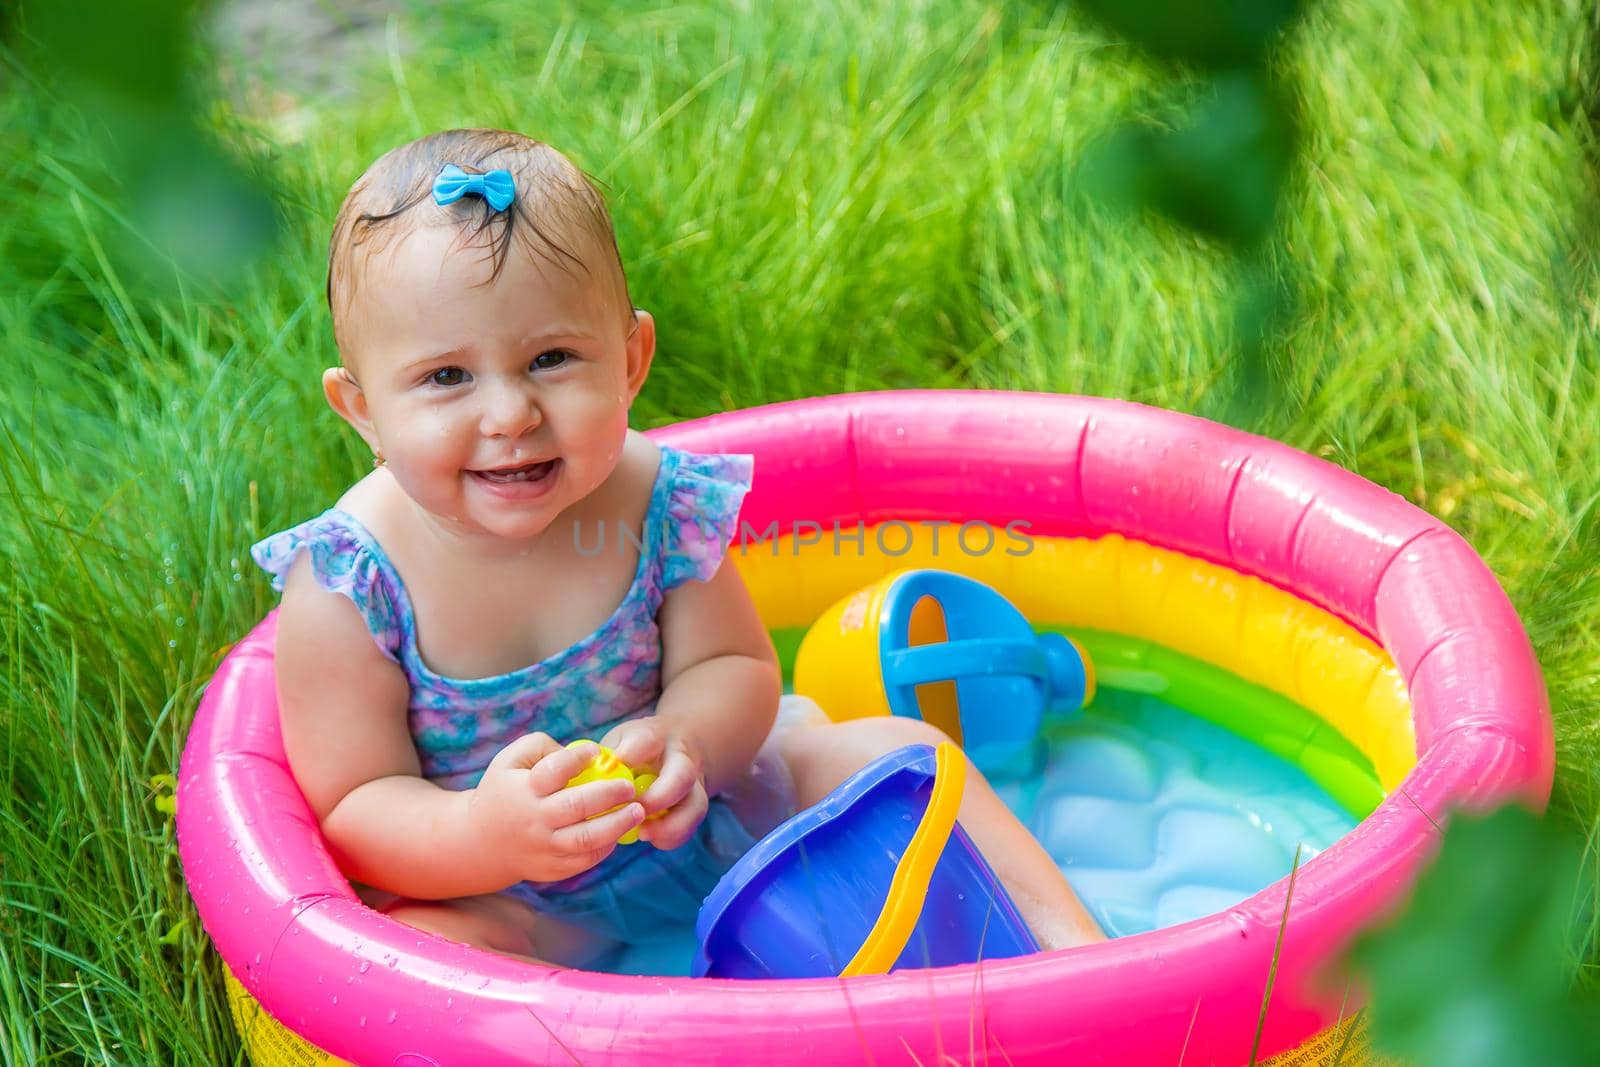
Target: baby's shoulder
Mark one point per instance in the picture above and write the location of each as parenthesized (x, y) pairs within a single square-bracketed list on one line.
[(335, 581), (385, 520), (625, 495), (640, 466), (373, 501)]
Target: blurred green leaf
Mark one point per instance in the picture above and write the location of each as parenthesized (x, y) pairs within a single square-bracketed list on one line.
[(1478, 970), (129, 49), (195, 205), (1253, 394), (1219, 172), (1208, 33), (193, 214)]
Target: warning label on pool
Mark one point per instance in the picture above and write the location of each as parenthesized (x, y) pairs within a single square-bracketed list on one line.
[(269, 1042), (1346, 1045)]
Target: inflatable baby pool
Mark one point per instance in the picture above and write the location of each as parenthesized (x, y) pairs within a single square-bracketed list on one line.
[(1323, 591)]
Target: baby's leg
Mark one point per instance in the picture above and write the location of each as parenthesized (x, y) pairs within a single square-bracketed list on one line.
[(494, 922), (822, 756)]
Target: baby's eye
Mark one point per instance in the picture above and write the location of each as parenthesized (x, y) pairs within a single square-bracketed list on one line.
[(447, 376), (549, 360)]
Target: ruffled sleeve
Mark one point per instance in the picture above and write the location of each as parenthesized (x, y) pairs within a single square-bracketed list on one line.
[(344, 559), (703, 514)]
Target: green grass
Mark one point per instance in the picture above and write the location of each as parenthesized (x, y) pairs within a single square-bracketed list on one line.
[(834, 197)]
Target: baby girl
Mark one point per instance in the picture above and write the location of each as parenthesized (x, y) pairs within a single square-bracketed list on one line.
[(444, 634)]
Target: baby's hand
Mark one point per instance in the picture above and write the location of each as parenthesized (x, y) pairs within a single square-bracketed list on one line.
[(527, 819), (679, 791)]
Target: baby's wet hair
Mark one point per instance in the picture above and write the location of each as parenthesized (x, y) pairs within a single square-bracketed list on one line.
[(557, 215)]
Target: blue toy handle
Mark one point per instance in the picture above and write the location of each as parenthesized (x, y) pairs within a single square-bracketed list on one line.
[(1006, 675), (1049, 658), (955, 659)]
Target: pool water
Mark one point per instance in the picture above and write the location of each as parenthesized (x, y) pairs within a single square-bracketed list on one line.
[(1157, 817)]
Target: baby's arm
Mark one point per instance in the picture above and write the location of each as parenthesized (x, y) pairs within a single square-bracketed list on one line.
[(719, 675), (720, 690), (343, 708)]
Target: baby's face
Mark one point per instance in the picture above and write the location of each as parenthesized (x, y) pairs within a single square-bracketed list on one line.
[(497, 404)]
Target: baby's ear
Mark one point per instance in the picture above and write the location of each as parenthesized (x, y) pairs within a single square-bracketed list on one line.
[(641, 350), (345, 396)]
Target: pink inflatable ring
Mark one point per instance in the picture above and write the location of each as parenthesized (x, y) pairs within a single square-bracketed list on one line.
[(355, 985)]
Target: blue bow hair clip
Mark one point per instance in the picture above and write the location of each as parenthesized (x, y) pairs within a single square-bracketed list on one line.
[(453, 183)]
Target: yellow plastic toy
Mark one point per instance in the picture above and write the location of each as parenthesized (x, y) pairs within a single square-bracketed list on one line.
[(606, 766)]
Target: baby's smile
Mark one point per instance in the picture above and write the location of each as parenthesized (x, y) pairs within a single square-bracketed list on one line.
[(522, 482)]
